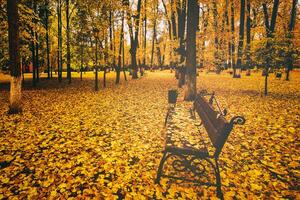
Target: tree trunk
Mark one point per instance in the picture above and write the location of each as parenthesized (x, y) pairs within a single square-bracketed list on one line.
[(173, 20), (192, 25), (216, 42), (105, 61), (33, 53), (232, 39), (270, 28), (181, 13), (37, 62), (241, 36), (69, 74), (14, 58), (145, 33), (33, 60), (47, 38), (120, 51), (96, 66), (153, 42), (123, 58), (290, 36), (205, 18), (228, 33), (59, 23), (81, 56), (248, 34), (134, 37)]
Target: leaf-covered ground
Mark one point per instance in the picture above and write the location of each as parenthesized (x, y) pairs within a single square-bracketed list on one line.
[(71, 142)]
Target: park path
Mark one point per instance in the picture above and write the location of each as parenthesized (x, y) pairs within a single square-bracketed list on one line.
[(73, 142)]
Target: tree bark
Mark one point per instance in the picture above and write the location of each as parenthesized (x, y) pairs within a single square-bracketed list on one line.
[(96, 66), (232, 38), (205, 18), (33, 60), (270, 28), (216, 42), (59, 23), (192, 25), (241, 37), (153, 40), (37, 62), (248, 34), (33, 57), (47, 39), (290, 36), (145, 33), (134, 37), (69, 74), (123, 59), (14, 58), (228, 33), (120, 51), (181, 13)]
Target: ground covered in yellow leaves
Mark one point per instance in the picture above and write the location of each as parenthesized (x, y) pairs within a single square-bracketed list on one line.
[(72, 142)]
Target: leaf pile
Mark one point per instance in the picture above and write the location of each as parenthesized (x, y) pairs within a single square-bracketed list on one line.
[(72, 142)]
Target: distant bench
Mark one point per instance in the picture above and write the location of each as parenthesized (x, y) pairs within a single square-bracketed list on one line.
[(190, 159)]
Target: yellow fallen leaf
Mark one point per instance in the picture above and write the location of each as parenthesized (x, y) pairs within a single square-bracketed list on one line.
[(229, 195), (291, 129), (293, 164), (254, 186), (5, 180)]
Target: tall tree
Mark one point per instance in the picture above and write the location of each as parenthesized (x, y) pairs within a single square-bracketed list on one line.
[(290, 36), (216, 41), (232, 35), (49, 74), (248, 34), (118, 70), (14, 57), (33, 51), (241, 39), (228, 34), (96, 35), (145, 32), (192, 25), (154, 32), (37, 58), (59, 43), (205, 17), (181, 18), (270, 29), (69, 74), (134, 36)]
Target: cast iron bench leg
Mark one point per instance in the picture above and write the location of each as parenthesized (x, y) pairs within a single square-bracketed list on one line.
[(218, 181), (160, 168)]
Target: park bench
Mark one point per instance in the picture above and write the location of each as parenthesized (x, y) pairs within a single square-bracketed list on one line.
[(197, 162)]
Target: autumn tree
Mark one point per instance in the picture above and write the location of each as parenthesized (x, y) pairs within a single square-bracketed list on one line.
[(14, 57), (270, 28), (290, 36), (241, 39), (133, 24), (68, 41), (59, 42), (192, 25), (248, 34)]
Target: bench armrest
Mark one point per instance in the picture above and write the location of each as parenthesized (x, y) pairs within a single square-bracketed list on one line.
[(238, 120)]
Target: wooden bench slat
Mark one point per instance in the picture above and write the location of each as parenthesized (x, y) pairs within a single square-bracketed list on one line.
[(214, 123)]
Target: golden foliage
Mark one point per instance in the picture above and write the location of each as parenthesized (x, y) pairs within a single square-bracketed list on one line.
[(71, 142)]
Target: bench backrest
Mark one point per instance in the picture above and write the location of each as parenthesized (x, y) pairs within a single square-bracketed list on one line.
[(215, 124)]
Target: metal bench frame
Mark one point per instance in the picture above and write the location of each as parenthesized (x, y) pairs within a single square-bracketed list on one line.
[(218, 130)]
